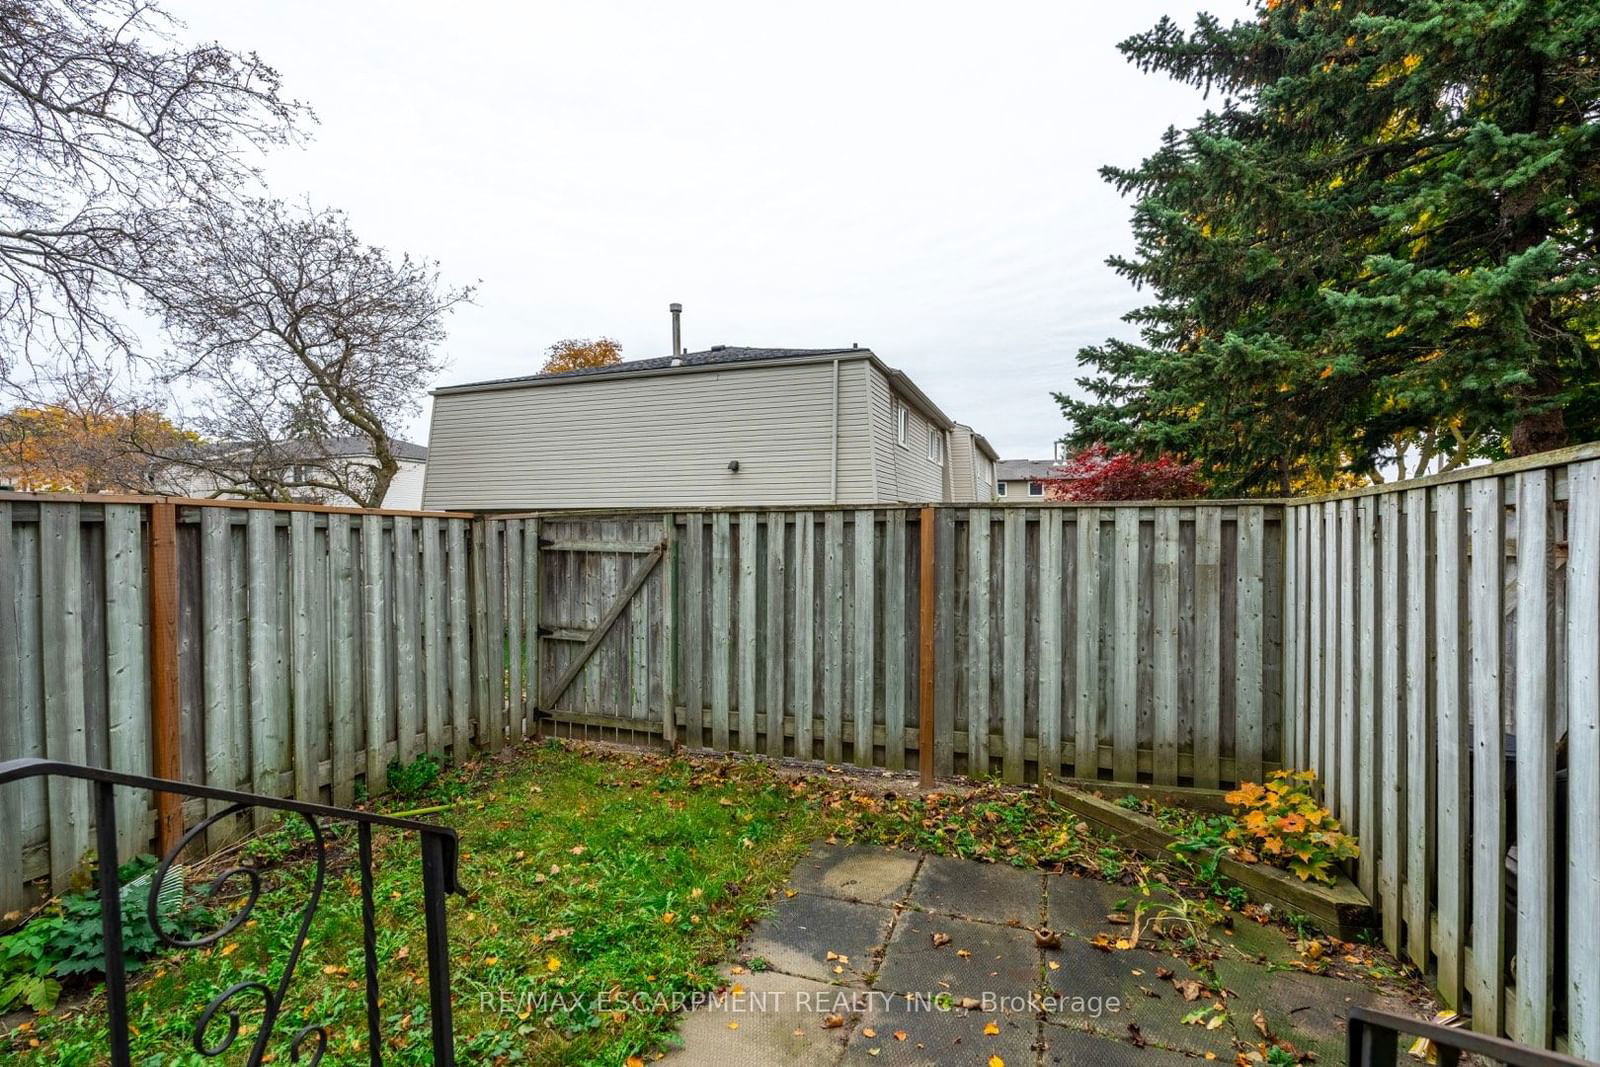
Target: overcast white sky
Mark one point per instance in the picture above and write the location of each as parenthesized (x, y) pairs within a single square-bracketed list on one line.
[(919, 178)]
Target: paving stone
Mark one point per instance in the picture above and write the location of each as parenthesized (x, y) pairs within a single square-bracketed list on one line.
[(1269, 941), (798, 936), (1004, 961), (936, 1036), (866, 873), (779, 1021), (1306, 1009), (984, 891), (1088, 980), (1079, 1048), (1078, 906)]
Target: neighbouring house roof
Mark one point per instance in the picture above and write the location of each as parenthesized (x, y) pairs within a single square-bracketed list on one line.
[(717, 357), (1026, 470), (312, 451)]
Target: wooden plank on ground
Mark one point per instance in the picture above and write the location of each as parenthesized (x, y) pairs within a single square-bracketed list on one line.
[(978, 585), (1535, 765), (1050, 649), (460, 568), (268, 703), (344, 654), (375, 649), (407, 624), (804, 631), (1486, 968), (1165, 590), (1419, 740), (1208, 646), (65, 721), (833, 564), (127, 675), (721, 629), (896, 619), (1583, 759), (1086, 625), (1014, 643), (863, 634), (748, 629)]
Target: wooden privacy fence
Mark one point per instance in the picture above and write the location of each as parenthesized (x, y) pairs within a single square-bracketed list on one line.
[(1443, 654), (1118, 641)]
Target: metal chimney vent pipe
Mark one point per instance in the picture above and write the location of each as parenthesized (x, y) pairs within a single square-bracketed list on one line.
[(677, 328)]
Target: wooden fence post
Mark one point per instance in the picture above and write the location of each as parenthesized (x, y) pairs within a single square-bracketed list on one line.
[(165, 743), (925, 664)]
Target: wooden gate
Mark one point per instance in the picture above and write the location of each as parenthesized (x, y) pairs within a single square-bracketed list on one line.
[(601, 643)]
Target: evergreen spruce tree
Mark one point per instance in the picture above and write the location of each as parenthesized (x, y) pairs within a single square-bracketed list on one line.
[(1382, 244)]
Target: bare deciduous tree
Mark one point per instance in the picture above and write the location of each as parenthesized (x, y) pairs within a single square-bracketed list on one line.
[(106, 126), (298, 336)]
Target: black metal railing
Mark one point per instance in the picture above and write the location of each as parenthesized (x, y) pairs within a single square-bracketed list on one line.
[(439, 856), (1375, 1036)]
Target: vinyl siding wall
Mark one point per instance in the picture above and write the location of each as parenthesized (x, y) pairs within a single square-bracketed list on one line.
[(661, 441), (904, 474)]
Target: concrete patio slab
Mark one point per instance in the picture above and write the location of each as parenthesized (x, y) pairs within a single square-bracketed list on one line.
[(984, 891), (1003, 961), (867, 873), (1106, 992), (1078, 906), (1271, 943), (776, 1019), (1077, 1048), (936, 1038), (798, 936), (1306, 1009)]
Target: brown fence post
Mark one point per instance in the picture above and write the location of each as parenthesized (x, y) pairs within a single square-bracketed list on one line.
[(925, 659), (165, 744)]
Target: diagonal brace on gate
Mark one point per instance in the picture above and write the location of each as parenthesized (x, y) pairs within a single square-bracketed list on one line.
[(608, 621)]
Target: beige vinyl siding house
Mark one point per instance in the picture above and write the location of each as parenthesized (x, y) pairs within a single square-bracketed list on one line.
[(972, 461), (804, 427)]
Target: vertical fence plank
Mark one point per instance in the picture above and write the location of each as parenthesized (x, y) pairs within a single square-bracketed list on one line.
[(694, 606), (721, 629), (1086, 626), (804, 631), (1451, 774), (1165, 653), (13, 893), (639, 655), (944, 640), (978, 527), (127, 674), (343, 654), (1249, 653), (1314, 599), (1368, 635), (1125, 648), (266, 707), (1050, 651), (461, 640), (516, 702), (407, 601), (1348, 624), (833, 637), (667, 655), (1485, 975), (1326, 738), (166, 742), (375, 604), (1419, 742), (863, 632), (1392, 829), (1014, 643), (1293, 707), (494, 567), (66, 726), (306, 698), (747, 631), (1535, 764), (1583, 759), (216, 611), (1208, 647), (896, 621)]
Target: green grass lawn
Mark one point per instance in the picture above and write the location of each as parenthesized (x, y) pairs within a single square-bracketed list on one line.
[(591, 875)]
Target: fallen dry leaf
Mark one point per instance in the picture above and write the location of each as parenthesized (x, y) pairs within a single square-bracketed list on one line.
[(1120, 918), (940, 940), (867, 1031), (1188, 988), (963, 953), (832, 1022), (991, 1028), (899, 1035), (996, 1061), (633, 1061), (1046, 938)]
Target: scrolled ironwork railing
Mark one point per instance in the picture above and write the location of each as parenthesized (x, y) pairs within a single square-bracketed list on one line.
[(221, 1022)]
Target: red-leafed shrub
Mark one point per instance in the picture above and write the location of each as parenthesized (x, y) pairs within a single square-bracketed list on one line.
[(1097, 473)]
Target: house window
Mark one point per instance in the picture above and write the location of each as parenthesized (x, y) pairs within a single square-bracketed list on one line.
[(1000, 490), (935, 445), (1036, 489), (902, 420)]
